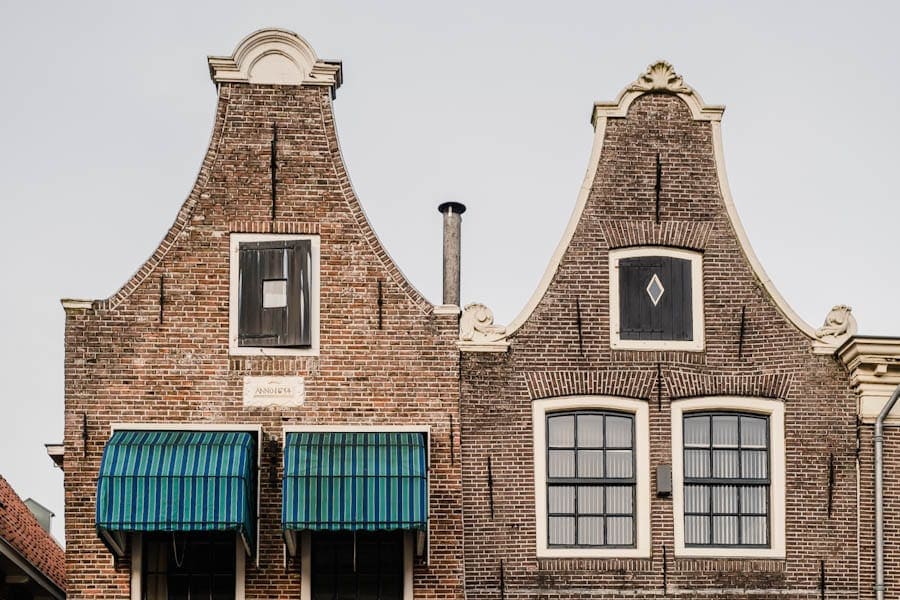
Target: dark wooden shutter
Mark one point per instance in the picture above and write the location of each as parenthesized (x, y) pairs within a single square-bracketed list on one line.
[(285, 326), (671, 318)]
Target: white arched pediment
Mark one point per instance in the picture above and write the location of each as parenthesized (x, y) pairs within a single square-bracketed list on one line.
[(274, 57)]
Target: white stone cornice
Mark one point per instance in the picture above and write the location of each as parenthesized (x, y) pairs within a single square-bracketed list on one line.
[(70, 304), (874, 366), (659, 77), (275, 57)]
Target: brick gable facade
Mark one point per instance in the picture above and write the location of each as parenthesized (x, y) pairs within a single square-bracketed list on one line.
[(562, 348), (157, 351)]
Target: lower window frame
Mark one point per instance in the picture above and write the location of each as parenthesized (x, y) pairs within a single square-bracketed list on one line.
[(137, 567), (409, 549), (639, 411), (772, 409)]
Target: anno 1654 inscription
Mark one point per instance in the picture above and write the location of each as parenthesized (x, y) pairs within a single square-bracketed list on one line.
[(274, 391)]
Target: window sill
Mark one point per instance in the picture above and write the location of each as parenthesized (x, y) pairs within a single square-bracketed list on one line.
[(689, 346), (235, 350), (593, 553), (709, 553)]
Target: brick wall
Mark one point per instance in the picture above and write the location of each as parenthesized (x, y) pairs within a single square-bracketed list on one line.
[(130, 360), (545, 360)]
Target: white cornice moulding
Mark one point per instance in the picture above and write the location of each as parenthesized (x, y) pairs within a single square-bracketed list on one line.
[(275, 57), (447, 310), (659, 77), (75, 304), (874, 366)]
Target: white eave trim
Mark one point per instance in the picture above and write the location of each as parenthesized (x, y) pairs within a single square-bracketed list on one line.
[(76, 304), (37, 576)]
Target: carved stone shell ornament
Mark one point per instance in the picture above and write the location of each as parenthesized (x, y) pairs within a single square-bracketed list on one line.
[(660, 77), (477, 324)]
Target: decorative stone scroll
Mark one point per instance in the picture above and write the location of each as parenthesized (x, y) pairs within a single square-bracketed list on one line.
[(477, 324), (660, 77), (839, 325)]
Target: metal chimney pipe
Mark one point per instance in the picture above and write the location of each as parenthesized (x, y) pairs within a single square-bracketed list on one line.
[(452, 212)]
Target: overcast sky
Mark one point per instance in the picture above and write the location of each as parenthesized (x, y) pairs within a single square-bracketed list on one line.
[(107, 109)]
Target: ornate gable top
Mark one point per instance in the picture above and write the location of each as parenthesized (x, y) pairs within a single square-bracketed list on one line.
[(275, 57), (660, 77)]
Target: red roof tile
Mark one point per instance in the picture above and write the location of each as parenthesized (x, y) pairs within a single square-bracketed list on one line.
[(21, 530)]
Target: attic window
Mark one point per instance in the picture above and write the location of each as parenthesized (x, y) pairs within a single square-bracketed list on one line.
[(274, 294), (656, 299)]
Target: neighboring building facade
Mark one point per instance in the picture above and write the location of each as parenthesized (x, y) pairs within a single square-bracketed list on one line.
[(269, 409), (686, 433), (32, 564), (269, 329)]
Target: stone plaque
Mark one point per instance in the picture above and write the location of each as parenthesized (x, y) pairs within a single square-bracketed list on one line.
[(274, 391)]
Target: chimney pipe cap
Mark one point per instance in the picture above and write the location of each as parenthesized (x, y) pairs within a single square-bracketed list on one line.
[(453, 207)]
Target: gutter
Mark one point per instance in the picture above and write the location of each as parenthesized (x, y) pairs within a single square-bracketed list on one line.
[(879, 493)]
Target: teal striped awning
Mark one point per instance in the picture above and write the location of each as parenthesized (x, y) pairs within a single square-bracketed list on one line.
[(177, 481), (355, 481)]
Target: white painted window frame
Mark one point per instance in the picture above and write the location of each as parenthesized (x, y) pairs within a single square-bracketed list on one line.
[(137, 539), (409, 538), (640, 411), (234, 348), (696, 259), (774, 410)]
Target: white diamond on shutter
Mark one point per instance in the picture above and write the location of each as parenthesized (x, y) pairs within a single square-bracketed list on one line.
[(655, 289)]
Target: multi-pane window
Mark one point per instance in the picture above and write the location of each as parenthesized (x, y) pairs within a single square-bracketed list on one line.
[(726, 479), (189, 566), (365, 565), (590, 479)]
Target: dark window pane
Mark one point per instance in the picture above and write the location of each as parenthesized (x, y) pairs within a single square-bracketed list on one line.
[(618, 432), (562, 531), (378, 571), (725, 431), (753, 432), (562, 463), (755, 464), (562, 499), (725, 499), (726, 463), (590, 531), (696, 463), (590, 431), (561, 431), (754, 500), (619, 463), (696, 499), (696, 530), (725, 531), (620, 500), (696, 432), (590, 463), (590, 499), (754, 530), (620, 531)]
